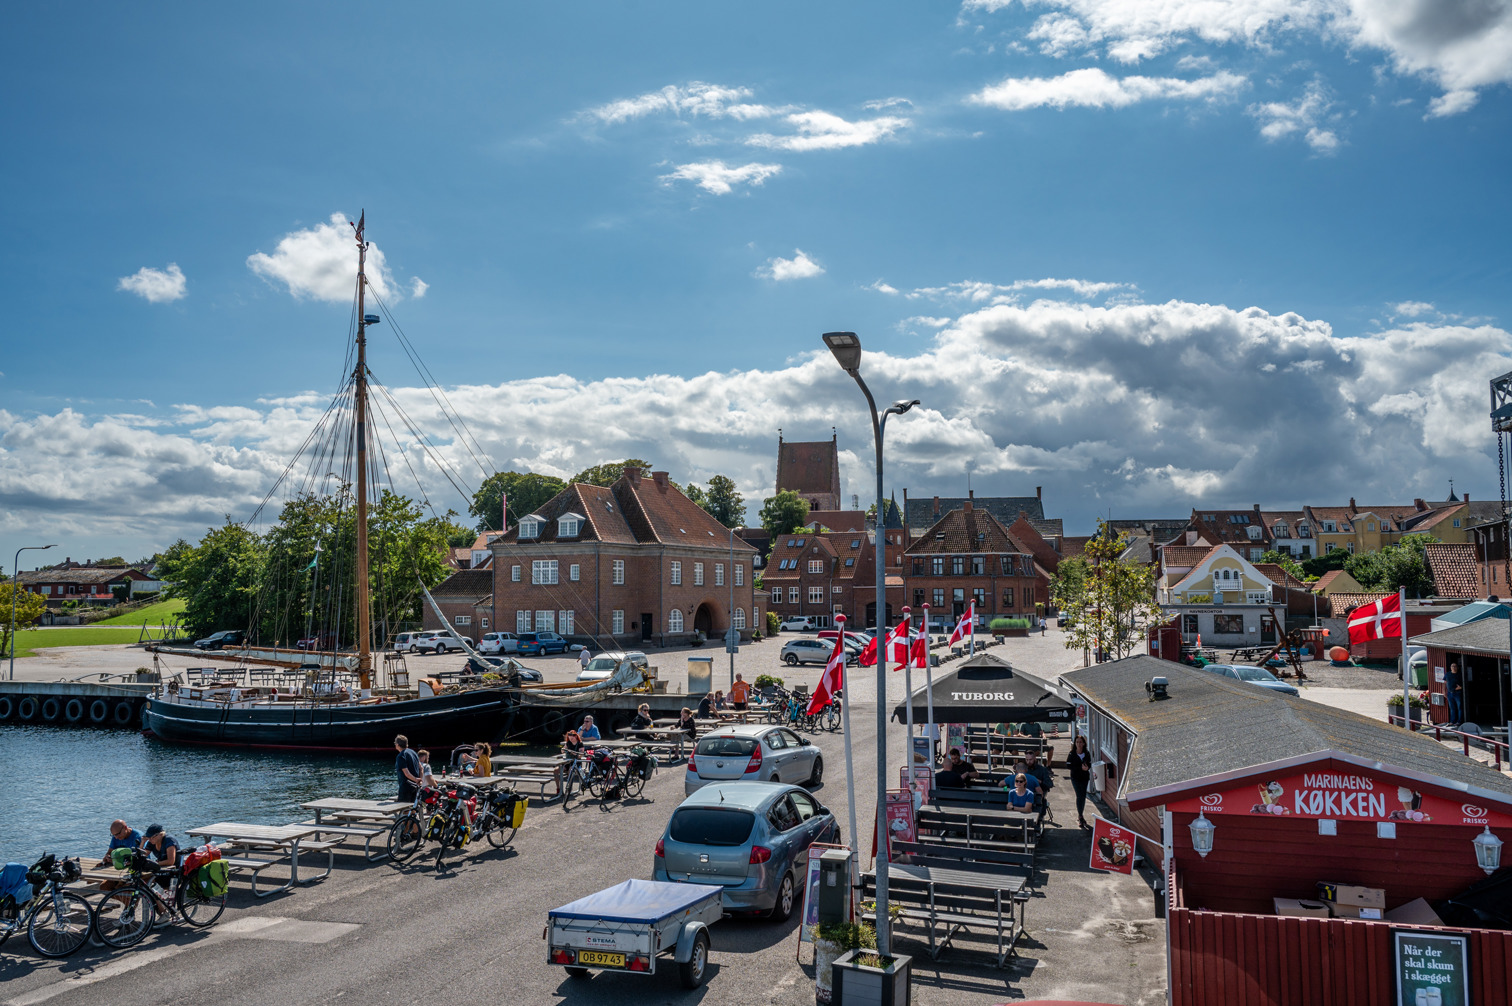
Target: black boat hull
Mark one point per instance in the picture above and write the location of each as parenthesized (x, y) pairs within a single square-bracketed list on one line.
[(482, 714)]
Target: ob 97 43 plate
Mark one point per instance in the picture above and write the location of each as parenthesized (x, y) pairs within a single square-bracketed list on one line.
[(601, 959)]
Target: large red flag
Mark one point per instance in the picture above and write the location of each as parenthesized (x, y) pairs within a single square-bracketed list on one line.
[(833, 678), (1376, 621), (965, 627), (868, 654)]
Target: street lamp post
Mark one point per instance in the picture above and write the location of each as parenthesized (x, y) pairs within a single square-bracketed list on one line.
[(846, 348), (15, 586)]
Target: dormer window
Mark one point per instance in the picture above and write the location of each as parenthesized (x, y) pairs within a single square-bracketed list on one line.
[(1254, 533), (1328, 527), (569, 525), (530, 526), (1280, 530), (1304, 531)]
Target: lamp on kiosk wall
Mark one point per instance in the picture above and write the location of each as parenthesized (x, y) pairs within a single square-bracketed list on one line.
[(1488, 851), (1202, 836)]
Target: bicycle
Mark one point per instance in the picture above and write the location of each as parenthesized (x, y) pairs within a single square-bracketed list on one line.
[(143, 900), (56, 924), (575, 775), (611, 777), (414, 826)]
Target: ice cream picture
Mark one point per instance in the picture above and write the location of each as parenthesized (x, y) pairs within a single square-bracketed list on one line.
[(1410, 802), (1270, 799)]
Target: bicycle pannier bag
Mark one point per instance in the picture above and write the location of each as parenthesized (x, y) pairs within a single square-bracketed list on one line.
[(211, 880)]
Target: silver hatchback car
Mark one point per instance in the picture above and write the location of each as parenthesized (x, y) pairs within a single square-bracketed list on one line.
[(749, 838), (756, 753)]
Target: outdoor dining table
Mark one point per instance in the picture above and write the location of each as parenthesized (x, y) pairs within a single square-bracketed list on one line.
[(350, 808), (286, 837), (938, 883), (662, 736)]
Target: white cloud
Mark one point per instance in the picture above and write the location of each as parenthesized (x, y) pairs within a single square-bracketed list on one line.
[(695, 98), (321, 262), (1451, 103), (882, 103), (826, 131), (882, 287), (979, 292), (1412, 308), (156, 286), (1095, 88), (720, 178), (800, 266), (925, 320), (1305, 115), (418, 287), (1092, 402)]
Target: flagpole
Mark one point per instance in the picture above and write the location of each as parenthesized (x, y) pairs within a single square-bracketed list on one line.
[(850, 770), (1402, 627), (908, 687), (928, 693), (971, 642)]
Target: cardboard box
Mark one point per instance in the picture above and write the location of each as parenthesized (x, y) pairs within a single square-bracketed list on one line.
[(1344, 895), (1414, 913), (1339, 911), (1304, 909)]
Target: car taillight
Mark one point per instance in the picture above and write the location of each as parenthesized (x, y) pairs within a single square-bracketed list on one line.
[(661, 848), (754, 765), (561, 957), (692, 765), (760, 854)]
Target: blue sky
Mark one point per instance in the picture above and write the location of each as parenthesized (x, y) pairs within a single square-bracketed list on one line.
[(630, 225)]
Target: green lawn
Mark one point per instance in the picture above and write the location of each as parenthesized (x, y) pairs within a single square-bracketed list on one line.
[(153, 614), (30, 640)]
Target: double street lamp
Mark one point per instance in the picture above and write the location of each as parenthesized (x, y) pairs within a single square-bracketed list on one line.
[(16, 586), (846, 348)]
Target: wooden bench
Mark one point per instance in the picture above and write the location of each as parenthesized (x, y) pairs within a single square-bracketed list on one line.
[(965, 857), (255, 865), (955, 899), (1002, 831), (366, 832)]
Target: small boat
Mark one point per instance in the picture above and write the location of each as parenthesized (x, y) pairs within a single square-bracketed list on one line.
[(335, 700)]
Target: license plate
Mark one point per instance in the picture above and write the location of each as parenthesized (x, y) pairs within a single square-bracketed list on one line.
[(603, 960)]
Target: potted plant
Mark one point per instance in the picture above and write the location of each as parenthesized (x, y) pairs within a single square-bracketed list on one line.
[(1416, 703), (1009, 627), (768, 680), (863, 976), (833, 940)]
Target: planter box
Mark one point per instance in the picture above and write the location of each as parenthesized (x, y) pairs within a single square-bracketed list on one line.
[(858, 985)]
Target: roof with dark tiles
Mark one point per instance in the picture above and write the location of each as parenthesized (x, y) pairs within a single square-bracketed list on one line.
[(1455, 569), (468, 583), (965, 531), (636, 509)]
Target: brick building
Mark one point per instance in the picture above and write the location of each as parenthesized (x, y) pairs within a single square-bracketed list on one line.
[(72, 581), (624, 565), (466, 599), (922, 512), (969, 554), (824, 574), (812, 470)]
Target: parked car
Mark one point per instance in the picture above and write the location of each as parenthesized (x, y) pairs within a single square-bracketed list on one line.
[(815, 651), (497, 643), (1250, 674), (860, 639), (541, 642), (319, 641), (761, 752), (605, 664), (751, 839), (801, 623), (216, 640), (429, 641)]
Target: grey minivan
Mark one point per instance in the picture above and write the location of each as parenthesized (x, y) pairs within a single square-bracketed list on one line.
[(749, 838)]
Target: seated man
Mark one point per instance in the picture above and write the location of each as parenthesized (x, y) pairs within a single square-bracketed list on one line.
[(1021, 797), (1041, 773), (588, 731), (957, 771), (122, 836), (1021, 768), (948, 778)]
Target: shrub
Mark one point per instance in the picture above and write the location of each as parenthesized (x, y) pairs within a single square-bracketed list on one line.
[(774, 623), (1003, 624), (848, 935), (765, 680)]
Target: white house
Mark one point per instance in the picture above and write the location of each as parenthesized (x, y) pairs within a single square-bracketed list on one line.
[(1219, 596)]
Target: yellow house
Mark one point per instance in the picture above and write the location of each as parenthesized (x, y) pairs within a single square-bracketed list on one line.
[(1224, 599), (1356, 528)]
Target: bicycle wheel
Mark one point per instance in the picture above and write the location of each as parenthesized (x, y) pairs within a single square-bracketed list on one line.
[(196, 909), (60, 925), (405, 837), (124, 917), (594, 784), (499, 833), (832, 718), (449, 838), (634, 783)]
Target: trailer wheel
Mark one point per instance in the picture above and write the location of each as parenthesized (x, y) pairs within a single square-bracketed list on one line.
[(124, 713), (73, 710), (27, 710), (577, 972), (99, 711), (51, 709), (696, 969), (6, 708)]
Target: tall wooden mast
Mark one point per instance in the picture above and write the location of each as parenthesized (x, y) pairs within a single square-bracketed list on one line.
[(364, 603)]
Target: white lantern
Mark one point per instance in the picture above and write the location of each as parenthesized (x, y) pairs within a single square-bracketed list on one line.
[(1202, 836), (1488, 851)]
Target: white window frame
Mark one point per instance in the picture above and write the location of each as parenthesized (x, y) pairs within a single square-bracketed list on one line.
[(676, 576), (698, 574), (530, 529), (569, 527), (738, 620), (719, 574), (543, 571), (617, 622), (816, 595), (675, 620), (461, 620), (792, 595), (739, 575), (522, 621), (566, 620), (816, 566), (574, 572), (776, 595), (545, 621), (514, 574), (619, 573)]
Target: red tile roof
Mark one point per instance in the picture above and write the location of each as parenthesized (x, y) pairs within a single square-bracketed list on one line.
[(635, 510), (963, 531), (1184, 556), (809, 467), (1278, 575), (1073, 545), (1455, 569), (838, 520), (1323, 582), (1342, 602), (1023, 534), (469, 583)]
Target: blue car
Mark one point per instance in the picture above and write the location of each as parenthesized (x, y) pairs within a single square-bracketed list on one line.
[(749, 838), (541, 642)]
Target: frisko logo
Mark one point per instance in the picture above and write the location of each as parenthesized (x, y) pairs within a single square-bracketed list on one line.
[(1212, 800), (981, 696), (1474, 814)]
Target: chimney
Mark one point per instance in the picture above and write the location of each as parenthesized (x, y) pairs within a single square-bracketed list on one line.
[(634, 475), (937, 506), (971, 494), (967, 506), (1039, 493), (660, 478), (1464, 497), (1352, 507), (1257, 508), (1419, 505)]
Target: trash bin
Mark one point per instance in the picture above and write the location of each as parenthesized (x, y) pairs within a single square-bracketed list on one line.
[(1420, 675), (700, 675)]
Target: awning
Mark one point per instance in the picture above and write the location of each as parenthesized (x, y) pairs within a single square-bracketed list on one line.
[(987, 689)]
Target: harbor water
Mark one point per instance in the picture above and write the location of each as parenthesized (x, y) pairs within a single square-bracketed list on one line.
[(64, 786)]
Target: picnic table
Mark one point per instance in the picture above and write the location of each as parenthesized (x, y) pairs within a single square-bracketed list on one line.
[(364, 819), (531, 770), (981, 827), (955, 899), (284, 839), (664, 738)]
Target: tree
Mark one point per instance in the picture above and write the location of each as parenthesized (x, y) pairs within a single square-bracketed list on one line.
[(697, 495), (527, 491), (29, 608), (608, 474), (1110, 603), (115, 560), (891, 512), (1401, 565), (1317, 565), (782, 513), (1286, 562), (725, 502), (218, 579)]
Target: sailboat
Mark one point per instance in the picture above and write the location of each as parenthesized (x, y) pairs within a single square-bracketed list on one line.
[(329, 699)]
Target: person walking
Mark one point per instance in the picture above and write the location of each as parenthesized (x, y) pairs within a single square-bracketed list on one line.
[(1079, 763), (1454, 689), (740, 693), (407, 769), (583, 658)]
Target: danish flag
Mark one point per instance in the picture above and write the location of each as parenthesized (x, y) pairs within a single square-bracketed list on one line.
[(966, 627), (896, 652), (833, 678), (1376, 621)]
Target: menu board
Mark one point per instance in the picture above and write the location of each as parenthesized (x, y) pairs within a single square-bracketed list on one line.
[(1432, 968)]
